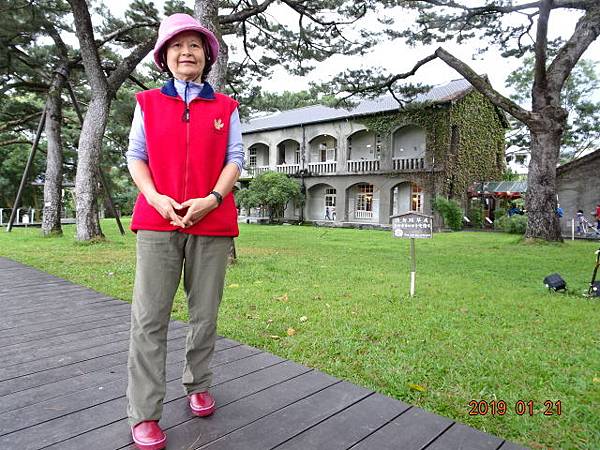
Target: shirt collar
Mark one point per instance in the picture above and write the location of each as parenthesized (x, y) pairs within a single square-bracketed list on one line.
[(206, 93)]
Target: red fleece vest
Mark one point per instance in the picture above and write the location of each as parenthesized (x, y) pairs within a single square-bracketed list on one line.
[(186, 159)]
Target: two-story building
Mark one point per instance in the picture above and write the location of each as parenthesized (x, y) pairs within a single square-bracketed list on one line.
[(362, 165)]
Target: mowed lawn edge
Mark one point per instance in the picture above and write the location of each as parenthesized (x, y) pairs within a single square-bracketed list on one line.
[(480, 328)]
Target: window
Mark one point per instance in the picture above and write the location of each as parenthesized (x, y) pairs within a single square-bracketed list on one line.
[(297, 155), (281, 153), (322, 152), (416, 198), (378, 146), (252, 156), (330, 197), (520, 159), (364, 200), (349, 147)]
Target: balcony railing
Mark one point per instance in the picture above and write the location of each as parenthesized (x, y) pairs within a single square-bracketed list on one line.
[(289, 169), (256, 170), (363, 165), (363, 214), (408, 163), (322, 167)]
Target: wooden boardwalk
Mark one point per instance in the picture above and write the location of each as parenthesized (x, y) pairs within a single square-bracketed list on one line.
[(63, 354)]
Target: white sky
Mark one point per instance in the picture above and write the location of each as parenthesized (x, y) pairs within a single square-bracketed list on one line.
[(396, 57)]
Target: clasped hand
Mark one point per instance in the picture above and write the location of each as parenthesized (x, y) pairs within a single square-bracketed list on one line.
[(197, 208)]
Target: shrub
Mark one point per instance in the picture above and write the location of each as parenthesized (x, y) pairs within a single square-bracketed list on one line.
[(450, 211), (515, 224), (271, 191), (475, 215)]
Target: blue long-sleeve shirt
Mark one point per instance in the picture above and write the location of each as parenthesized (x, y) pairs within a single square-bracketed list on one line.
[(137, 135)]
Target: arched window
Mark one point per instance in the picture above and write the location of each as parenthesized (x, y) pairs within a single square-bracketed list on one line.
[(364, 199), (416, 198)]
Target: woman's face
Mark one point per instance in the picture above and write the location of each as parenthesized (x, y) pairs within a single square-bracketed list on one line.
[(185, 55)]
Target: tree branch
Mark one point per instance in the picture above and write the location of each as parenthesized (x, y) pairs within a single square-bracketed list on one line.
[(586, 31), (484, 87), (116, 78), (36, 87), (476, 10), (121, 31), (11, 123), (388, 83), (14, 141), (540, 82), (244, 14)]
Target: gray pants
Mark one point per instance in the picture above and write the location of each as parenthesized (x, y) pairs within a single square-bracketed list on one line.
[(161, 256)]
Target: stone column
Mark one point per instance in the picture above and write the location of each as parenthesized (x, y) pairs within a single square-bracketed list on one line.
[(384, 204)]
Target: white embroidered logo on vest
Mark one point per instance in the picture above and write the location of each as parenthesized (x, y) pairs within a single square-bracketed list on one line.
[(219, 124)]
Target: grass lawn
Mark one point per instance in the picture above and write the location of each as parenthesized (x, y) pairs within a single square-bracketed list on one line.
[(481, 326)]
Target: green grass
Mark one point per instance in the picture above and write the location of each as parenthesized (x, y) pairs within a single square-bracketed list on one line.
[(481, 326)]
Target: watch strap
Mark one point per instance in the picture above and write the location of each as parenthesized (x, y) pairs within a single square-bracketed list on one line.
[(218, 196)]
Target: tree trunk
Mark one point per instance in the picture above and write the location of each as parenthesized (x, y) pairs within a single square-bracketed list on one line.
[(86, 180), (54, 160), (540, 200), (207, 13)]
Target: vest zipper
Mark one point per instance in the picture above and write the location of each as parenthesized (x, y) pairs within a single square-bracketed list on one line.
[(186, 118)]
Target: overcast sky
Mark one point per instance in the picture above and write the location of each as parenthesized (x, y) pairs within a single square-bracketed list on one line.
[(396, 57)]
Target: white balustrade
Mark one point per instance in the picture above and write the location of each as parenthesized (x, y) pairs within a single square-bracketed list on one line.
[(322, 167), (289, 169), (363, 214), (254, 171), (408, 163), (363, 165)]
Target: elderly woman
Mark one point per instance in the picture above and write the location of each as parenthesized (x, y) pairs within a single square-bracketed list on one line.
[(185, 155)]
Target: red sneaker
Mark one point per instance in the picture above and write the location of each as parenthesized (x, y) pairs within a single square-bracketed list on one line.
[(148, 436), (202, 403)]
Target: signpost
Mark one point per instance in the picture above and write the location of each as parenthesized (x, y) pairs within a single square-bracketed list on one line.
[(412, 225)]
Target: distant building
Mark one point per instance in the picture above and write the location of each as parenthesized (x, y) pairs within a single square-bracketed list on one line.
[(517, 162), (360, 166), (578, 187)]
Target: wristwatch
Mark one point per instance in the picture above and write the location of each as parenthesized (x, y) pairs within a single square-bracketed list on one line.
[(218, 196)]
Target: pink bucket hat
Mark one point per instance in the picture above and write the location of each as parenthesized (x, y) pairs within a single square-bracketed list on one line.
[(177, 23)]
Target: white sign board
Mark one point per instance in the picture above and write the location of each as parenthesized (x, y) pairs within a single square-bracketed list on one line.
[(412, 225)]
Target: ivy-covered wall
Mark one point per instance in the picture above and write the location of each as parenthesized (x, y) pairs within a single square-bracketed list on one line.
[(479, 146), (466, 138), (433, 119)]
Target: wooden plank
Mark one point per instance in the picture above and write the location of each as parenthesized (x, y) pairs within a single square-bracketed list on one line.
[(111, 347), (42, 294), (11, 353), (46, 377), (348, 426), (243, 378), (227, 419), (27, 283), (459, 436), (5, 262), (280, 426), (64, 349), (413, 429), (58, 323), (72, 425), (79, 381), (69, 299), (31, 338), (51, 316), (24, 418)]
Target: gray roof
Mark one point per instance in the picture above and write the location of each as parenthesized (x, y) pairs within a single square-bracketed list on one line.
[(319, 113)]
